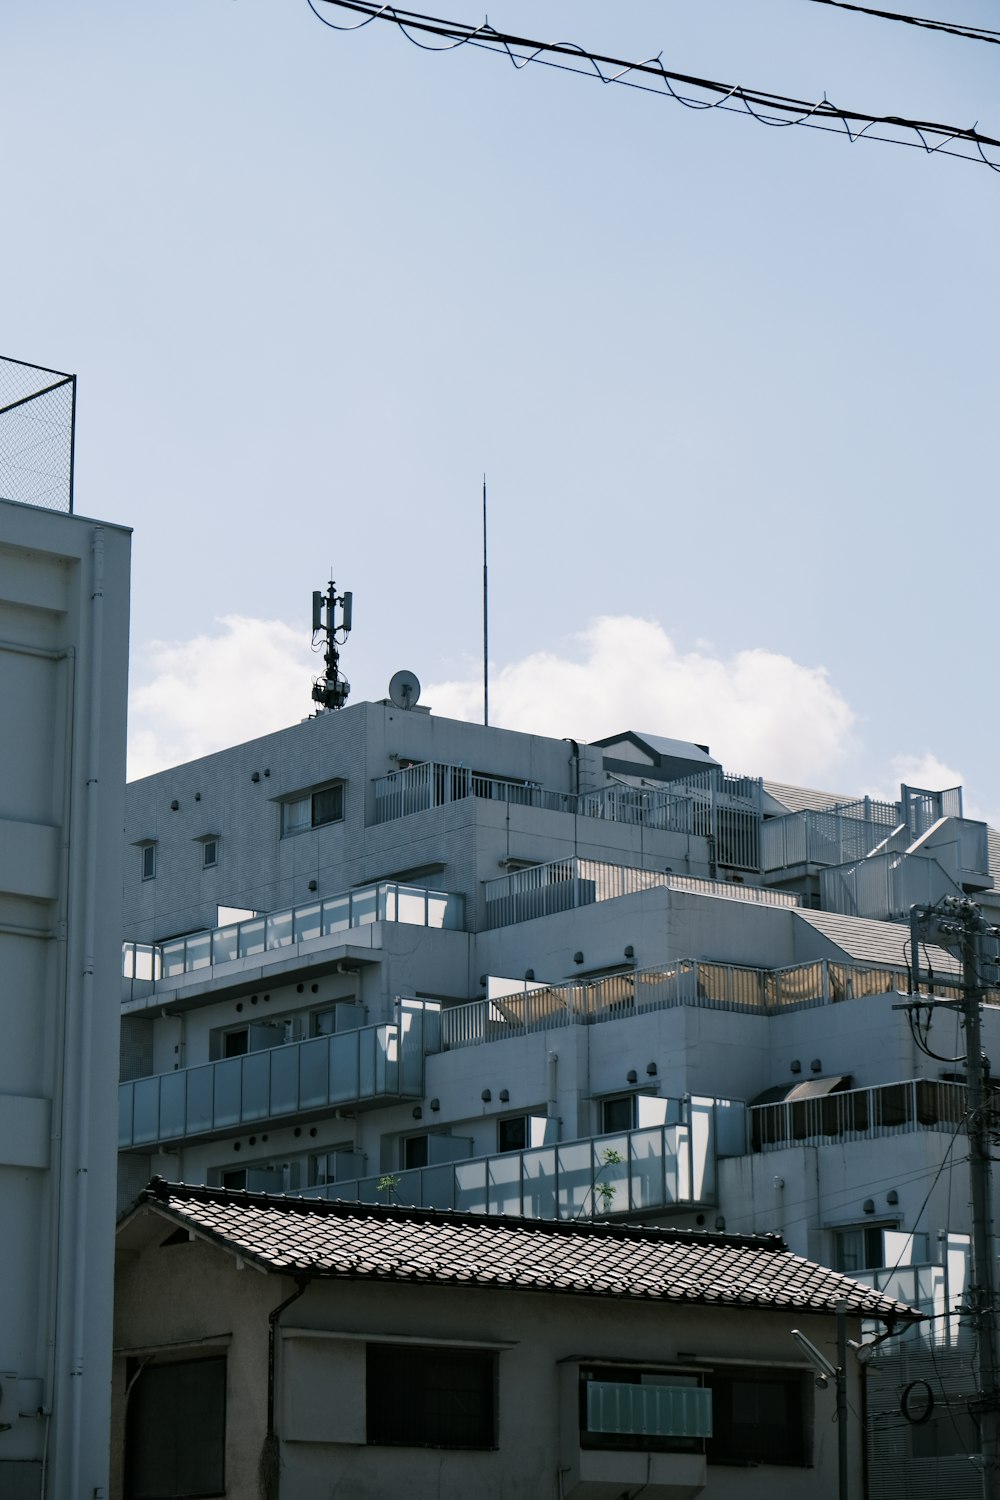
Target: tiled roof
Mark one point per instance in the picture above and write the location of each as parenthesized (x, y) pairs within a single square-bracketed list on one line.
[(872, 942), (373, 1242)]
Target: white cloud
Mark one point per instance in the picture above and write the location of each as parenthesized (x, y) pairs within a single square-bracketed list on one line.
[(759, 711), (192, 697)]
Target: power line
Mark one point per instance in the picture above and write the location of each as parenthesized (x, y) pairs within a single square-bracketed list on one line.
[(650, 76), (972, 33)]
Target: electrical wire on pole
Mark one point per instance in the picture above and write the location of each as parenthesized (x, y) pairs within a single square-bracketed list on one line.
[(957, 922), (650, 76)]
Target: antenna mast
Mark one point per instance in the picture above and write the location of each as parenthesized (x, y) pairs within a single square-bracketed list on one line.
[(486, 620), (331, 690)]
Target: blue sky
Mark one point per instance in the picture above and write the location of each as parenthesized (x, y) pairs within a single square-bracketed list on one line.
[(734, 384)]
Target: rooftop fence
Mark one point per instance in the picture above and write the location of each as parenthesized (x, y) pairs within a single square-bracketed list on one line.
[(37, 434), (564, 884), (710, 804), (714, 986)]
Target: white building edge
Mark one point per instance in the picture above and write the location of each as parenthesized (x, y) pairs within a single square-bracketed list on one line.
[(64, 585), (385, 955)]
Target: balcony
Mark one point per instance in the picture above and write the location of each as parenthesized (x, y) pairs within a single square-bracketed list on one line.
[(659, 1168), (858, 1115), (709, 986), (350, 1069), (565, 884), (383, 901)]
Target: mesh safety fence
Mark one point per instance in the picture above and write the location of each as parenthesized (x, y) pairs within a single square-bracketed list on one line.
[(37, 414)]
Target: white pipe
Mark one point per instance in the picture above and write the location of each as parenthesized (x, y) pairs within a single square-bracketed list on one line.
[(82, 1143)]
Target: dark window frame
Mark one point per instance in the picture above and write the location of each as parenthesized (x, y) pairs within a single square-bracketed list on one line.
[(431, 1396), (147, 856), (742, 1437)]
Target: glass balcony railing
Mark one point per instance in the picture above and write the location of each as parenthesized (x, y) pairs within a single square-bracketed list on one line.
[(372, 1063), (384, 901), (661, 1167)]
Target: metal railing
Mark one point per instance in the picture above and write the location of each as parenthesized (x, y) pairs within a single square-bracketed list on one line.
[(37, 434), (434, 784), (629, 1172), (384, 901), (563, 884), (833, 837), (859, 1114), (373, 1063), (712, 986), (711, 804)]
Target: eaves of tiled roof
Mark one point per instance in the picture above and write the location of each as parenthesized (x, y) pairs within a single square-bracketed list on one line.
[(311, 1238)]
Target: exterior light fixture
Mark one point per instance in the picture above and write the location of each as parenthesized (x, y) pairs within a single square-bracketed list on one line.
[(578, 956), (486, 1096), (505, 1096), (651, 1069), (435, 1105), (631, 1076)]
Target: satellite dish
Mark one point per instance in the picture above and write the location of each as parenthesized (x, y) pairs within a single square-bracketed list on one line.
[(404, 689)]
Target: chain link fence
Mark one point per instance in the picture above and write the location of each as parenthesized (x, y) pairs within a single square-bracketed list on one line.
[(37, 432)]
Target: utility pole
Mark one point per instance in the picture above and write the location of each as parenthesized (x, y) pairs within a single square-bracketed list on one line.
[(959, 922)]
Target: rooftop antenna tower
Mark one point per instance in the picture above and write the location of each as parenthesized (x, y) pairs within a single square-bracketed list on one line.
[(331, 690)]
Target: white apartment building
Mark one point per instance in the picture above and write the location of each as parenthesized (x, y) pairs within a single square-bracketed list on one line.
[(64, 587), (388, 956)]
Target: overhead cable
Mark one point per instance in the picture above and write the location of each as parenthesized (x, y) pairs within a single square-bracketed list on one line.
[(652, 77), (953, 28)]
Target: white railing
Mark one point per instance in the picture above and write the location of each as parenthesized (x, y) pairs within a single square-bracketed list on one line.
[(859, 1114), (563, 884), (712, 986), (710, 804), (833, 837), (384, 901)]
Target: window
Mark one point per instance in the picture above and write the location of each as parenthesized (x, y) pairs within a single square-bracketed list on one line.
[(521, 1132), (147, 853), (421, 1397), (618, 1113), (313, 810), (758, 1416), (209, 853), (649, 1410), (175, 1431), (415, 1151), (236, 1043)]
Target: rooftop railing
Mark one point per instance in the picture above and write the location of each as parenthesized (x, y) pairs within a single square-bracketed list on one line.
[(564, 884), (710, 804), (859, 1114), (384, 901), (831, 837), (660, 1167), (371, 1064), (713, 986)]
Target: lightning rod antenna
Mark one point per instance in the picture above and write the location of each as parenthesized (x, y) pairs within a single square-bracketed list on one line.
[(486, 620)]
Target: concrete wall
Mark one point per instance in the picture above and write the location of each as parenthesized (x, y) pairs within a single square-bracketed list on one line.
[(170, 1297), (63, 672)]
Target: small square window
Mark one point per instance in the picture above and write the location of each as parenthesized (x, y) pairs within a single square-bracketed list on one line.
[(512, 1134), (209, 853), (618, 1113), (148, 853), (415, 1151)]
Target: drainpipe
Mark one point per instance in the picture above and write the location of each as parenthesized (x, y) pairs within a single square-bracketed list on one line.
[(84, 1025), (269, 1468), (552, 1064)]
